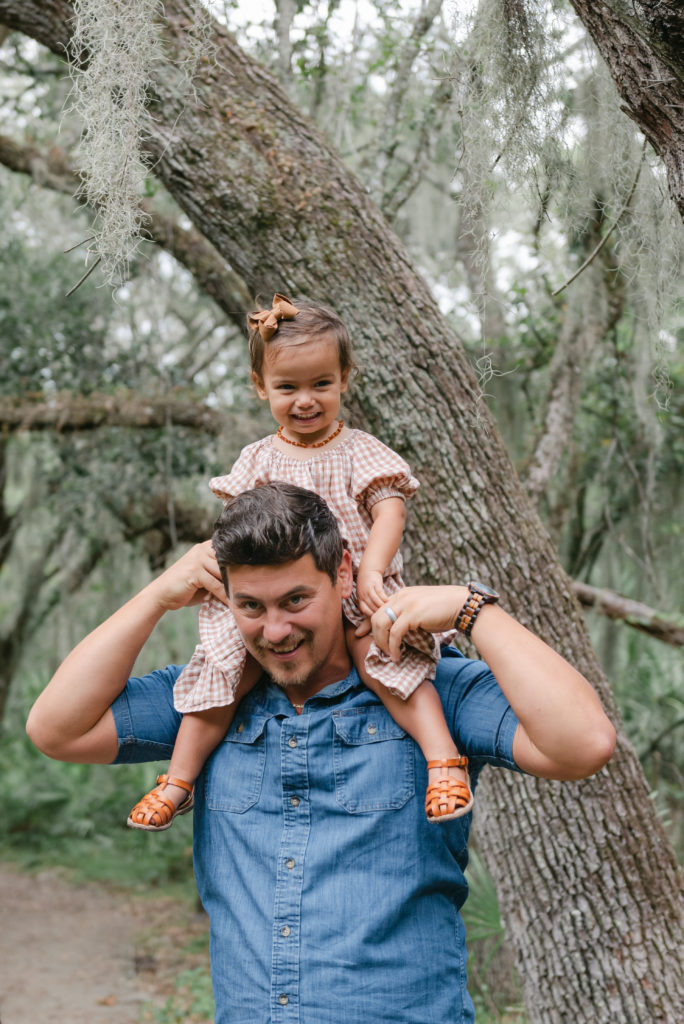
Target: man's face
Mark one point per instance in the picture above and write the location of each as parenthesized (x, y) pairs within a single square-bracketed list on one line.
[(290, 617)]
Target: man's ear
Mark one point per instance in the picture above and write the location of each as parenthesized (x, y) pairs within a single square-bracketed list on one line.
[(345, 575), (258, 383)]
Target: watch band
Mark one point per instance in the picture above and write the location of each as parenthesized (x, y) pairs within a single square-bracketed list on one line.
[(478, 596), (469, 612)]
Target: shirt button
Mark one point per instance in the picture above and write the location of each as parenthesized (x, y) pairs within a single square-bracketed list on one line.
[(285, 930), (241, 727), (283, 1000), (292, 742), (289, 863), (372, 729), (294, 800)]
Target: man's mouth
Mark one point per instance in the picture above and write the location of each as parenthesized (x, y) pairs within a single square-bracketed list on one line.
[(282, 651), (286, 650)]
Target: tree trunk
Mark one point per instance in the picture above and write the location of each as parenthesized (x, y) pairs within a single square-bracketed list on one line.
[(589, 886)]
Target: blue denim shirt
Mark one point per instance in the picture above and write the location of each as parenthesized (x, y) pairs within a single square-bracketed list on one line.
[(331, 898)]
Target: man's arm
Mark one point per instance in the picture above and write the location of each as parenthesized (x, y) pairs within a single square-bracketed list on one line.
[(563, 732), (72, 720)]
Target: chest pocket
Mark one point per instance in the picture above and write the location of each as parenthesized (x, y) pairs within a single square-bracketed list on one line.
[(373, 761), (235, 771)]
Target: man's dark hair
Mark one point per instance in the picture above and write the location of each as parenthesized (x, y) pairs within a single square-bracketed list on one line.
[(277, 523)]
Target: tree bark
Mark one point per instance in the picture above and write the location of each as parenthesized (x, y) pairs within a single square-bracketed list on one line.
[(589, 886)]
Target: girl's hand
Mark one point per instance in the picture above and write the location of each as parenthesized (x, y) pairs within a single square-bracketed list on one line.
[(431, 608), (370, 592)]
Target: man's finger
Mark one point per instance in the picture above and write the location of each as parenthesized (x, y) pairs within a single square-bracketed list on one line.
[(207, 581), (396, 635)]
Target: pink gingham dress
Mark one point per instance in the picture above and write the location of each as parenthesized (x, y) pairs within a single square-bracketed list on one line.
[(351, 477)]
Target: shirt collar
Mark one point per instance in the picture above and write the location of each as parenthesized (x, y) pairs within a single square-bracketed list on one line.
[(267, 697)]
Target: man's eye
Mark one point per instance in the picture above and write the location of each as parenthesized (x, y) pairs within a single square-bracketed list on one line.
[(296, 600)]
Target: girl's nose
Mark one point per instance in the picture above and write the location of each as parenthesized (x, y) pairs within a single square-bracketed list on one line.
[(304, 399)]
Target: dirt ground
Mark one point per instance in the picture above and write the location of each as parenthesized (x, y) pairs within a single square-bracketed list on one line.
[(86, 954)]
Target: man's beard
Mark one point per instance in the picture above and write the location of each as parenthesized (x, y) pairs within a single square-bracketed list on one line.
[(284, 674)]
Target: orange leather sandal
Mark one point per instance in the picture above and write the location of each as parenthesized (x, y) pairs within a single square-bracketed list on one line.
[(155, 813), (448, 798)]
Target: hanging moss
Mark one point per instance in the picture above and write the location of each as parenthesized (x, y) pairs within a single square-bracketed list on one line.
[(116, 47)]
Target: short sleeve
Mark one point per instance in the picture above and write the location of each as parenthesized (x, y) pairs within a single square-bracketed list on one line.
[(478, 714), (250, 470), (378, 472), (145, 718)]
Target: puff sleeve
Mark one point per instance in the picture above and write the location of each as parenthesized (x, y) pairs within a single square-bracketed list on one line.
[(379, 473), (249, 470)]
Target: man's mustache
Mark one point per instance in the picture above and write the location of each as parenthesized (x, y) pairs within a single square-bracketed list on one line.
[(288, 644)]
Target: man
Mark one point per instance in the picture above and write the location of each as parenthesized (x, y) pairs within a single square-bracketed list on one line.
[(330, 896)]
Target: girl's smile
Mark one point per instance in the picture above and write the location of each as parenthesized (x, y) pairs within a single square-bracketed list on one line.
[(303, 384)]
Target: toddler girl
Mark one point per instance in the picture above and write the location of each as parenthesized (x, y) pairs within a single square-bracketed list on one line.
[(300, 363)]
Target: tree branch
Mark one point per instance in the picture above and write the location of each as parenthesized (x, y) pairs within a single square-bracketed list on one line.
[(52, 169), (597, 249), (395, 197), (402, 76), (669, 629), (65, 412)]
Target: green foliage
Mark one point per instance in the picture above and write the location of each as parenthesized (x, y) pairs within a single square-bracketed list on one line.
[(492, 981), (74, 816), (191, 1003)]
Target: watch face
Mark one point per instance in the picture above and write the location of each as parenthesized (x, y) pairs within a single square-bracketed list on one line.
[(482, 588)]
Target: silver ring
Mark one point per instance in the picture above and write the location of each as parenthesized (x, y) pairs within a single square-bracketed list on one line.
[(390, 615)]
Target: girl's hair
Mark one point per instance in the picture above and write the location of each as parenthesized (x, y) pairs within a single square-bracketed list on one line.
[(312, 321)]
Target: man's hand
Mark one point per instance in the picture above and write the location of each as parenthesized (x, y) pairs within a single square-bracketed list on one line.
[(190, 579), (431, 608), (72, 718)]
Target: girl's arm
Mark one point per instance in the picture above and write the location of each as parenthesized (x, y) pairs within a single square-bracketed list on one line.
[(563, 732), (389, 517)]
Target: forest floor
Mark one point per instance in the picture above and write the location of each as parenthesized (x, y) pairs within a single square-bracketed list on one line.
[(89, 954)]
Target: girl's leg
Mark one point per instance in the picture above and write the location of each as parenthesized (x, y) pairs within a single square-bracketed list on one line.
[(421, 715), (199, 733)]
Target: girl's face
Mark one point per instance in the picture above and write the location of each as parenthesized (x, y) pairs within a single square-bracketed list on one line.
[(303, 384)]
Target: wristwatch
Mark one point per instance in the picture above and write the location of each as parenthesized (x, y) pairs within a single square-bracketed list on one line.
[(478, 595)]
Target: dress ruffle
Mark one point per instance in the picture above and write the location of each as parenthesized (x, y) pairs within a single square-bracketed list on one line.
[(211, 677)]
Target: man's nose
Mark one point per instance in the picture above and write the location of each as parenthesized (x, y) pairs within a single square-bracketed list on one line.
[(276, 626)]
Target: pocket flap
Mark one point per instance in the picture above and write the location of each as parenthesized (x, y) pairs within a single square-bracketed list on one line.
[(246, 729), (366, 726)]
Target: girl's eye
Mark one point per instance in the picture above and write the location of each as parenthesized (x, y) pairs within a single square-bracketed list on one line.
[(323, 383), (285, 387)]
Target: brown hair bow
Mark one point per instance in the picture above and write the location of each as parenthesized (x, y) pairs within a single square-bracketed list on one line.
[(266, 321)]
